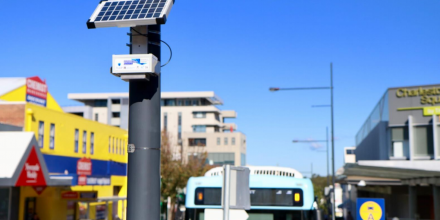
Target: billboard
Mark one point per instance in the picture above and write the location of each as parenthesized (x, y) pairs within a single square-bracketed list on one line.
[(36, 91)]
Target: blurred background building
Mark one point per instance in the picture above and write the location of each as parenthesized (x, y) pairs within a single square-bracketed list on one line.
[(192, 120), (397, 155)]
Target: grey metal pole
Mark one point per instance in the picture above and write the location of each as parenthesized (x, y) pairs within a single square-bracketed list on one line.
[(226, 185), (143, 196), (333, 142), (328, 166)]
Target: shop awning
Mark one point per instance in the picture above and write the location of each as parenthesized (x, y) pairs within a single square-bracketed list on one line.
[(376, 175), (21, 162)]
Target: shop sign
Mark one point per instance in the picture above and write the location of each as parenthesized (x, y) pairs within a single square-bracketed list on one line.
[(82, 180), (79, 195), (84, 167), (370, 209), (92, 180), (39, 189), (36, 91), (32, 172)]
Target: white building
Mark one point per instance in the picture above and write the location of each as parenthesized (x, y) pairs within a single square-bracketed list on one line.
[(194, 123)]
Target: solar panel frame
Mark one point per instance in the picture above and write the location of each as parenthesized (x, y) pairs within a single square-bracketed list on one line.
[(130, 13)]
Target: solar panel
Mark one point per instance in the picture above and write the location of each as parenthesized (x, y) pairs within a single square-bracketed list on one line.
[(130, 13)]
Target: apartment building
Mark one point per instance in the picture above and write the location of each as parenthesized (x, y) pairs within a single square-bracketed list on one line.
[(192, 120)]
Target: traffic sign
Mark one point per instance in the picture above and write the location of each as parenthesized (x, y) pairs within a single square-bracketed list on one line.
[(370, 209)]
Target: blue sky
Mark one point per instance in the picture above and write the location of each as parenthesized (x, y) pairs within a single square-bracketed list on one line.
[(239, 49)]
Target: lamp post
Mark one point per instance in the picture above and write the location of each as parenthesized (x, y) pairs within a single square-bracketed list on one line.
[(314, 141), (275, 89)]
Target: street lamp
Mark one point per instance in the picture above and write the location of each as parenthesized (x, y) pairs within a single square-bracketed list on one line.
[(275, 89), (142, 69), (314, 141)]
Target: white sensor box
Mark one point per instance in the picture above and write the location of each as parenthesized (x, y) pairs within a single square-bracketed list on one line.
[(134, 64)]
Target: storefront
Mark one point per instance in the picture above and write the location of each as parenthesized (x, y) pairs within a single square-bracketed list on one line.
[(76, 156), (398, 155)]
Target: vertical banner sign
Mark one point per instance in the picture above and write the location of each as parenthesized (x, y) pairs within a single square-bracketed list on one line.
[(36, 91), (32, 172), (370, 209), (84, 167)]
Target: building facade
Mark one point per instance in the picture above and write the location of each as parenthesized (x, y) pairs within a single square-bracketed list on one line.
[(192, 120), (397, 155), (87, 157)]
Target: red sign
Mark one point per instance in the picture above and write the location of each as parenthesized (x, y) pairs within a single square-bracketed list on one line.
[(32, 172), (82, 180), (70, 195), (84, 167), (36, 87), (39, 189)]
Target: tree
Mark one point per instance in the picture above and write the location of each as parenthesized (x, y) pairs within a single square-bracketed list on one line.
[(319, 184), (175, 173)]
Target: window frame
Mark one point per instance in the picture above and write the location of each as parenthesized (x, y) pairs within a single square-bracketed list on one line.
[(41, 134), (84, 142), (52, 136), (76, 142), (92, 143)]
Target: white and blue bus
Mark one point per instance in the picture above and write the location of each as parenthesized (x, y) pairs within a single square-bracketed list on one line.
[(277, 193)]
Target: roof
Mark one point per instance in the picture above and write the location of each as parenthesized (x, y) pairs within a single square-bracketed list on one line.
[(15, 150), (8, 84), (261, 170), (13, 145), (209, 95)]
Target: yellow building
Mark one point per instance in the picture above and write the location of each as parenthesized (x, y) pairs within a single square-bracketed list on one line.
[(89, 156)]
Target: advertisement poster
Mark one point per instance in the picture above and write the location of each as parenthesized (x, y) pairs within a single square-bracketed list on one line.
[(36, 91)]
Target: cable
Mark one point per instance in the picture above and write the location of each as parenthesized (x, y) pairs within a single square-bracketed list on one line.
[(171, 51)]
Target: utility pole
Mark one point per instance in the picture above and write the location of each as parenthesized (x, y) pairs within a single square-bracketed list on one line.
[(143, 196), (333, 143), (328, 172)]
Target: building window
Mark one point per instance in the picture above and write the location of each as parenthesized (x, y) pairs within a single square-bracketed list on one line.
[(226, 141), (233, 141), (100, 103), (243, 160), (423, 141), (194, 102), (109, 144), (165, 121), (84, 142), (179, 102), (349, 152), (52, 136), (114, 145), (41, 134), (218, 141), (117, 146), (169, 102), (193, 142), (187, 102), (123, 147), (199, 128), (76, 140), (116, 101), (92, 142), (116, 114), (217, 116), (400, 144), (179, 126), (221, 158), (96, 117), (199, 114)]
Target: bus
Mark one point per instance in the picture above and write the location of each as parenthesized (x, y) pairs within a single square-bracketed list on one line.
[(277, 193)]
